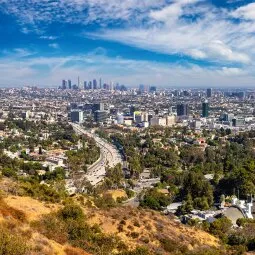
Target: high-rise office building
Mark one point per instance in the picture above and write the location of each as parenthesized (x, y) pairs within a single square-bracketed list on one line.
[(182, 110), (132, 109), (98, 107), (100, 116), (209, 92), (85, 85), (100, 83), (205, 109), (94, 84), (78, 82), (186, 93), (153, 89), (77, 116), (143, 88), (69, 84), (111, 86), (64, 84)]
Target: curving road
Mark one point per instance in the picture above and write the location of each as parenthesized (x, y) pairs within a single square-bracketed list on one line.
[(109, 155)]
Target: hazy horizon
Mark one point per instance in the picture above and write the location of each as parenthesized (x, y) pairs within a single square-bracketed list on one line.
[(166, 43)]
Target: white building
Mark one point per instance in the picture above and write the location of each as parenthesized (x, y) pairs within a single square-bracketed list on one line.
[(157, 121)]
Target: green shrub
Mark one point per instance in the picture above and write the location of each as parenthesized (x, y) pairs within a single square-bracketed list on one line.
[(12, 244), (105, 202), (134, 235), (172, 246), (137, 224), (9, 172), (71, 211), (42, 192), (242, 221), (123, 222), (50, 226), (130, 193), (69, 225)]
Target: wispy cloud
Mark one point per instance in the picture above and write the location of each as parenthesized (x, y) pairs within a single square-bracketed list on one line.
[(54, 45), (192, 28), (77, 11), (246, 12), (222, 37), (50, 71), (48, 37)]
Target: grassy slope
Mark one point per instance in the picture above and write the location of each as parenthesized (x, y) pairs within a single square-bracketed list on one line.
[(135, 227)]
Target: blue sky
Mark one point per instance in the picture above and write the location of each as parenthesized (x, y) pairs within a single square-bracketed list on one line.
[(180, 43)]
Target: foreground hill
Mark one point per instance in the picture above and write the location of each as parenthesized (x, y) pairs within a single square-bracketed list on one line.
[(24, 220), (77, 227)]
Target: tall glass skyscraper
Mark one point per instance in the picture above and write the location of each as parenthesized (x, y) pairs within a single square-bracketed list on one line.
[(205, 109)]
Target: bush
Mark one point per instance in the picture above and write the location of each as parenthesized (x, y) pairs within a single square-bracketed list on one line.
[(12, 244), (120, 200), (134, 235), (52, 228), (137, 224), (42, 192), (120, 228), (69, 225), (172, 246), (123, 222), (155, 200), (130, 193), (242, 221), (208, 251), (237, 239), (74, 251), (71, 212), (137, 251), (105, 202), (9, 172), (220, 228)]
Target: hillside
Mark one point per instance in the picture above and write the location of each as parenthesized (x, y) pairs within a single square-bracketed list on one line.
[(25, 220)]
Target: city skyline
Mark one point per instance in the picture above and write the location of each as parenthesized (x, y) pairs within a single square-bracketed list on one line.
[(185, 43)]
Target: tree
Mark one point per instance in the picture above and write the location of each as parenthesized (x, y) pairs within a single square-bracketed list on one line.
[(221, 227), (155, 200), (199, 189), (71, 212), (115, 175)]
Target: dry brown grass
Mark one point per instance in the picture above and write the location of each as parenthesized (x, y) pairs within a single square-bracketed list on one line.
[(8, 212), (138, 227), (74, 251), (33, 208), (135, 227), (117, 194)]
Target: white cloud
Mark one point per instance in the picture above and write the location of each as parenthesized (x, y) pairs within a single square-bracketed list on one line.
[(219, 50), (54, 45), (246, 12), (126, 71), (171, 12), (192, 28), (77, 11), (48, 37), (196, 53), (232, 72)]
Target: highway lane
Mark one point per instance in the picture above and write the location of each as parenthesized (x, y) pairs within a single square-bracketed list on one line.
[(109, 156)]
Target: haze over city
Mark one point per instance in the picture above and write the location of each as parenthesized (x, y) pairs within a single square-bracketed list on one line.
[(127, 127), (177, 43)]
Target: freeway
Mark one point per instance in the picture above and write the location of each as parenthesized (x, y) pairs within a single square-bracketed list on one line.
[(109, 156)]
